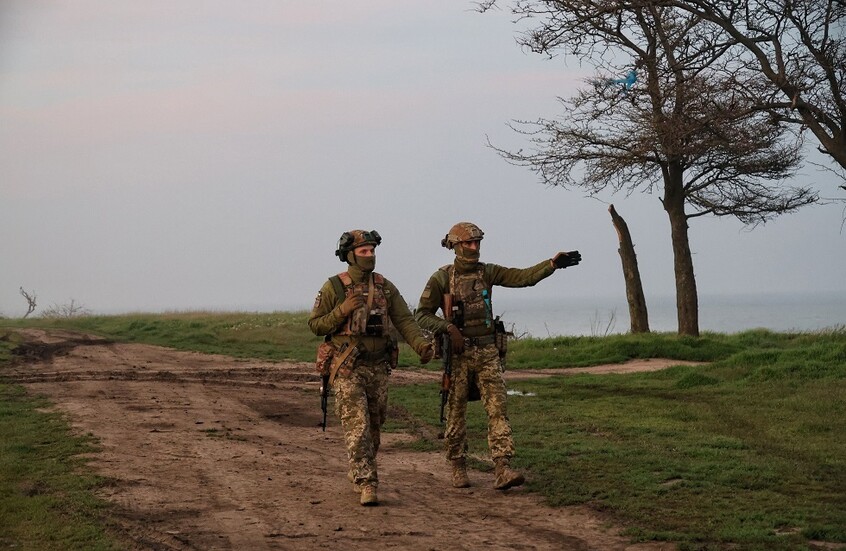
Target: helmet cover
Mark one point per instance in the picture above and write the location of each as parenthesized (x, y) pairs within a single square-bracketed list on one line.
[(356, 238), (461, 232)]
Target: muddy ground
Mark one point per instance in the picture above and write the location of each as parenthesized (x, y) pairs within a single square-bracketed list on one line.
[(209, 452)]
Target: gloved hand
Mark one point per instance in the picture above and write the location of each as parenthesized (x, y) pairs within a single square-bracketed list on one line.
[(426, 353), (351, 303), (456, 339), (565, 259)]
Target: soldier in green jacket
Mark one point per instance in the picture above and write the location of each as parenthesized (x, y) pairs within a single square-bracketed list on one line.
[(355, 311), (463, 291)]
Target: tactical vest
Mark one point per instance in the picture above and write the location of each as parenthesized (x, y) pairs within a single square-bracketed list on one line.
[(475, 296), (373, 322)]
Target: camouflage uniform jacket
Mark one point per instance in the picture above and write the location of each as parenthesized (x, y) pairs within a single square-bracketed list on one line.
[(492, 274), (326, 317)]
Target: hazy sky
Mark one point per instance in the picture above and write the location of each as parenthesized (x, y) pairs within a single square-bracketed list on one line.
[(166, 155)]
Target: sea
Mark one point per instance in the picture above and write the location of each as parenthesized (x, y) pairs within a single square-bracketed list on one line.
[(598, 316), (542, 316)]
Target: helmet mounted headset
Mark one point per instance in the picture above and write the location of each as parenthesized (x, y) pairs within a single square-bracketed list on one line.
[(351, 240)]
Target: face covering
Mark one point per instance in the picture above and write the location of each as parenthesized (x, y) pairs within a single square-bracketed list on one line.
[(466, 254), (366, 263)]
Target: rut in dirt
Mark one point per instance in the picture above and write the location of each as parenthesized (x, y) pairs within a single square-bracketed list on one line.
[(206, 452)]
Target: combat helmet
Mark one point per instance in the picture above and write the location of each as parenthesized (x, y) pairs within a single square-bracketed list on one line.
[(356, 238), (463, 231)]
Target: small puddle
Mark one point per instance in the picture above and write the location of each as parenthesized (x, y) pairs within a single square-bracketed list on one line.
[(520, 393)]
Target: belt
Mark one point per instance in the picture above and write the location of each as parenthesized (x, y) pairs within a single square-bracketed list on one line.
[(479, 341), (375, 356)]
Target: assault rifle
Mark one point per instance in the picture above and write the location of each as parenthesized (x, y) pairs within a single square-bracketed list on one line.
[(345, 353), (324, 397), (446, 354), (446, 357)]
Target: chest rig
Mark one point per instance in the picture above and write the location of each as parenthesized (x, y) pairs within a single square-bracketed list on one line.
[(371, 319), (473, 297)]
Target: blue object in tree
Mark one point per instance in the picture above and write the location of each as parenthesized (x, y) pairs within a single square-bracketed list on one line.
[(628, 82)]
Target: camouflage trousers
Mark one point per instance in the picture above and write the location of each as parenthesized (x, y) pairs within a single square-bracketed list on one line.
[(361, 403), (483, 363)]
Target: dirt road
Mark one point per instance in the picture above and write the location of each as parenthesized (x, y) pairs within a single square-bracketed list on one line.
[(209, 452)]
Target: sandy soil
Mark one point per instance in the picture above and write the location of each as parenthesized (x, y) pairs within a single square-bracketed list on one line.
[(210, 452)]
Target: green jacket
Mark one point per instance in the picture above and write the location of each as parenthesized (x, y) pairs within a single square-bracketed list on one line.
[(432, 298), (326, 317)]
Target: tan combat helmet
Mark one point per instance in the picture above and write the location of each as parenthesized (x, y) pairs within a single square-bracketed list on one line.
[(461, 232), (356, 238)]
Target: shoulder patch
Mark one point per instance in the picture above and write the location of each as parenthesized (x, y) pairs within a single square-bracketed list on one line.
[(317, 300)]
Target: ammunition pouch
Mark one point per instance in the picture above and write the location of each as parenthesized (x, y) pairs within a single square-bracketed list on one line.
[(394, 356), (374, 326), (501, 337), (343, 361), (325, 353), (457, 318)]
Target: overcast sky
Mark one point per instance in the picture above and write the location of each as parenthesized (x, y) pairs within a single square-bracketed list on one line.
[(164, 155)]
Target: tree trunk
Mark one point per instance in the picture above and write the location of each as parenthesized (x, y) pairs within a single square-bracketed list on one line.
[(687, 302), (634, 289)]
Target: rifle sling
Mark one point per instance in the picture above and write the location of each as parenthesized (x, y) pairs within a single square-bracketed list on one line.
[(347, 349), (370, 294), (345, 352)]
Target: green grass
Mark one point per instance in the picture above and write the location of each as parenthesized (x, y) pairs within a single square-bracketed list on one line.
[(276, 336), (585, 351), (285, 336), (46, 490), (746, 452)]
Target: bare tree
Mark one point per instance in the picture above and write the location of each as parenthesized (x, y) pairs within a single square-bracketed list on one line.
[(799, 46), (63, 311), (30, 301), (675, 124), (638, 313)]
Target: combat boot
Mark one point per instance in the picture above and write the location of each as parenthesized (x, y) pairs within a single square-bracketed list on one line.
[(505, 476), (368, 495), (459, 473)]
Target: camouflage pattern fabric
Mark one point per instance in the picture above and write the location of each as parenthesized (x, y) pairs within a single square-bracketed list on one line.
[(326, 317), (361, 403), (483, 362), (431, 299)]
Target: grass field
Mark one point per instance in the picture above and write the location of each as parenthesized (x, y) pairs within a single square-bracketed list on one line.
[(46, 499), (747, 452)]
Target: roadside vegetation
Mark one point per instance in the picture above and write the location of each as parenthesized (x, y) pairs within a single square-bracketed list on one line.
[(285, 336), (747, 451), (273, 336), (46, 491)]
